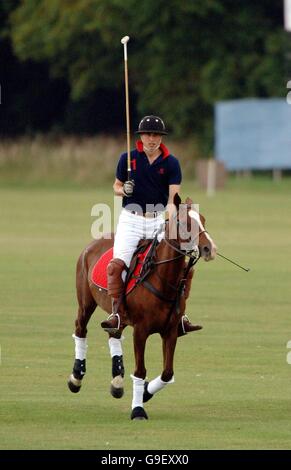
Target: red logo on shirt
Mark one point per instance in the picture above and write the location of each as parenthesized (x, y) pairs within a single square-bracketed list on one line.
[(133, 165), (161, 171)]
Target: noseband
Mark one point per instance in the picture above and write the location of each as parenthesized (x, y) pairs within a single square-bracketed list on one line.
[(194, 257)]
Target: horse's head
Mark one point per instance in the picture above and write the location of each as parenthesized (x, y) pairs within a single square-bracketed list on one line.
[(206, 244), (191, 231)]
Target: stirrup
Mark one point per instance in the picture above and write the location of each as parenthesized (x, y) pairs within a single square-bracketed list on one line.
[(183, 318), (111, 329), (185, 326)]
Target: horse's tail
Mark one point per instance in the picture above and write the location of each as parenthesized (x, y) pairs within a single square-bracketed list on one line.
[(90, 254), (82, 264)]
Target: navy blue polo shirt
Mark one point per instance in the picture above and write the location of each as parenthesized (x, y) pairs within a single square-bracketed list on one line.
[(151, 180)]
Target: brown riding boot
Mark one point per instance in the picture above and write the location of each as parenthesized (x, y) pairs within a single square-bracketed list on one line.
[(115, 289), (115, 321), (185, 326)]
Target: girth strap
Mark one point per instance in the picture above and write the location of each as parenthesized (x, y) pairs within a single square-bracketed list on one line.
[(157, 293)]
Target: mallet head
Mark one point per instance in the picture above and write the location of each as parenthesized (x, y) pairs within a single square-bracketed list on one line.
[(124, 40)]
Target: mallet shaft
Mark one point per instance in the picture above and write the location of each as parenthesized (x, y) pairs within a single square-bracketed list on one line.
[(124, 41), (227, 259)]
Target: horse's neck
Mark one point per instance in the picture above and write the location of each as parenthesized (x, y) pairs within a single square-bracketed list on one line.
[(172, 270)]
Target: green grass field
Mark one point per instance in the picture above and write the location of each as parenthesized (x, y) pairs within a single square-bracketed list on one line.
[(232, 382)]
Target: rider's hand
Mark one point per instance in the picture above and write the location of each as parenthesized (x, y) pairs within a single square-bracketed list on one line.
[(128, 187)]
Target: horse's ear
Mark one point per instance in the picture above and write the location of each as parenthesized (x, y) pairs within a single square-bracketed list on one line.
[(188, 201), (177, 201)]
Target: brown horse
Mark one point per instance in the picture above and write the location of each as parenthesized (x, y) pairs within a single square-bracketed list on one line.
[(155, 305)]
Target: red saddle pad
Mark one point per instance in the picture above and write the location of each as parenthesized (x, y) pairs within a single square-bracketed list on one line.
[(99, 276)]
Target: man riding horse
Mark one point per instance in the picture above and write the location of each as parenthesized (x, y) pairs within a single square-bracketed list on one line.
[(156, 178)]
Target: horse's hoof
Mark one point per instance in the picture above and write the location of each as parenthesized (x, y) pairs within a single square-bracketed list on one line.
[(117, 389), (74, 384), (146, 394), (138, 413), (116, 392)]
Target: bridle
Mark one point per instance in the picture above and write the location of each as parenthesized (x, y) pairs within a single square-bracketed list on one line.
[(193, 255)]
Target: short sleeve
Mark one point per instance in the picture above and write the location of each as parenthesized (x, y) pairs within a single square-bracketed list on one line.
[(175, 174), (121, 170)]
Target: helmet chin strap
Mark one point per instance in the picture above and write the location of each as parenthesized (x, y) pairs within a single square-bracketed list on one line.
[(151, 150)]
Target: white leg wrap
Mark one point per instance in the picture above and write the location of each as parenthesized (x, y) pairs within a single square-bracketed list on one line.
[(138, 389), (157, 384), (115, 346), (80, 347)]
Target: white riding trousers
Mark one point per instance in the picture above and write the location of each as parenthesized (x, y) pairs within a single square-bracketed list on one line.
[(131, 228)]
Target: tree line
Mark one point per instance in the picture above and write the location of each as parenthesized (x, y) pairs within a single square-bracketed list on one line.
[(62, 62)]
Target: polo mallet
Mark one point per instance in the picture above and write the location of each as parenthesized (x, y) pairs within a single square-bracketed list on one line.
[(124, 41), (233, 262)]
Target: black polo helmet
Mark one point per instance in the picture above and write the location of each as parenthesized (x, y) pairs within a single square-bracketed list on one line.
[(151, 125)]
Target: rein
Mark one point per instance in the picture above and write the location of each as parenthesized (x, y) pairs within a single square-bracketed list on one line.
[(178, 250), (187, 253), (193, 259)]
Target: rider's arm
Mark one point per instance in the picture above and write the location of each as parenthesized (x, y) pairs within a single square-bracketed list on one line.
[(118, 187)]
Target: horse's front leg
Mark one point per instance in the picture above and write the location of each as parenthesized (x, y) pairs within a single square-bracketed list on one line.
[(139, 341), (169, 346), (79, 367), (115, 348), (167, 376)]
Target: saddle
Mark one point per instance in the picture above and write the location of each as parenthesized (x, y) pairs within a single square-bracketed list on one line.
[(139, 267)]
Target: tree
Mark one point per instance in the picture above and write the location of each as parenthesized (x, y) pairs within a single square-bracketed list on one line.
[(183, 56)]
